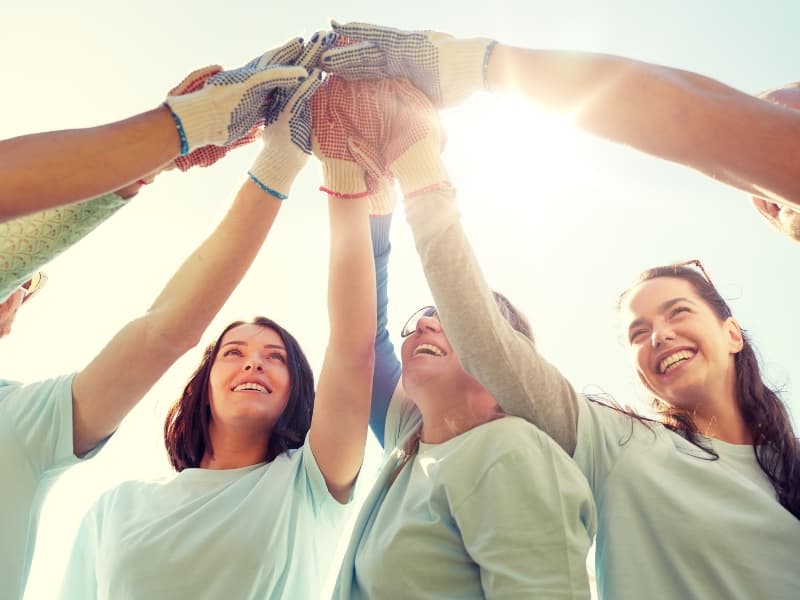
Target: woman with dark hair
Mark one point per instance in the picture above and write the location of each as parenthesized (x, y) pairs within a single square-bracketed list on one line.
[(259, 498), (681, 499)]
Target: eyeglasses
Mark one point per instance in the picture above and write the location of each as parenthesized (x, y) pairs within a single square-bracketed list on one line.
[(411, 325), (697, 265), (33, 285)]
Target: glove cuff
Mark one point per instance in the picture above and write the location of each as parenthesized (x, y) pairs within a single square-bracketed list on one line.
[(343, 178), (464, 69), (276, 168), (383, 201), (197, 123), (419, 168)]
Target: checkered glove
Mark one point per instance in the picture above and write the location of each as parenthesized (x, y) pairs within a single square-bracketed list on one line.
[(445, 68), (411, 142), (205, 156), (287, 131), (229, 104), (350, 120)]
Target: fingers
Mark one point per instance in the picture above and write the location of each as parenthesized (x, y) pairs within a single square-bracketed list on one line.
[(363, 60), (286, 54), (364, 31), (194, 80), (319, 43)]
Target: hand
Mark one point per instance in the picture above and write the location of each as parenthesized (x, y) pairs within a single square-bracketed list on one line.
[(445, 68), (231, 103), (287, 134)]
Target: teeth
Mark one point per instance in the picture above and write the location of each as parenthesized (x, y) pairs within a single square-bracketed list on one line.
[(428, 349), (250, 386), (673, 359)]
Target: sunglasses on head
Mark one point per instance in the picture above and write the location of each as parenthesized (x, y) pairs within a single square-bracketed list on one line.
[(411, 325)]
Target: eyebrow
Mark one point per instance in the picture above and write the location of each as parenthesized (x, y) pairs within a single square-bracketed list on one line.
[(243, 343), (665, 306)]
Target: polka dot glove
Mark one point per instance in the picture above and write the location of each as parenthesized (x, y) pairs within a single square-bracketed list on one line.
[(447, 69), (229, 104)]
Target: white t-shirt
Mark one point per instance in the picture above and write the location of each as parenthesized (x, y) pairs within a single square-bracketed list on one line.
[(497, 511), (264, 531), (675, 524), (35, 441)]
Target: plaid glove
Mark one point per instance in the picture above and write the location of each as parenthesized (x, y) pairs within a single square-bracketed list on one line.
[(287, 134), (445, 68), (229, 104), (350, 115)]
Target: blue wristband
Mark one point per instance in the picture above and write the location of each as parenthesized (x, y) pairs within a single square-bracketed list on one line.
[(266, 188), (181, 132)]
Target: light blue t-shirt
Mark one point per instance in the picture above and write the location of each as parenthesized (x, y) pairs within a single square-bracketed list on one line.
[(264, 531), (499, 511), (35, 441), (675, 524)]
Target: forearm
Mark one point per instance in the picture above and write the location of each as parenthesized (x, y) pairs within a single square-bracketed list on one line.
[(673, 114), (145, 348), (387, 366), (27, 243), (504, 361), (46, 170), (341, 408)]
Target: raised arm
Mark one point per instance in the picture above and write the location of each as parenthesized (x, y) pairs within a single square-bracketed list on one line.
[(504, 361), (676, 115), (342, 404), (143, 350), (387, 367), (45, 170)]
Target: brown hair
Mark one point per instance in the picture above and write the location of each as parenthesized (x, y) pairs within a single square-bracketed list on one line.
[(186, 433), (775, 444)]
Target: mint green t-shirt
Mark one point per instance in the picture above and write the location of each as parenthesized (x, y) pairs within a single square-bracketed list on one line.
[(499, 511), (264, 531), (675, 524), (35, 442)]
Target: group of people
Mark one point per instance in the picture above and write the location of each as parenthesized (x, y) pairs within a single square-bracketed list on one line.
[(498, 475)]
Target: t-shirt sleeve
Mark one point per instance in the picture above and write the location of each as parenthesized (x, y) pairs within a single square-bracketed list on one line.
[(528, 521), (505, 362), (402, 418), (80, 577), (40, 417), (603, 433)]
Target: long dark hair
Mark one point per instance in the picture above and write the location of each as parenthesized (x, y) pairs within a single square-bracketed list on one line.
[(186, 433), (775, 444)]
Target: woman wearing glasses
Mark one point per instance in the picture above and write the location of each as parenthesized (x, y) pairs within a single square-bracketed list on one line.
[(470, 503), (680, 499)]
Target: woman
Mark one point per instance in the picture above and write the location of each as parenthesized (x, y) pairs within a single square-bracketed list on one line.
[(680, 500), (258, 498), (465, 505), (47, 426)]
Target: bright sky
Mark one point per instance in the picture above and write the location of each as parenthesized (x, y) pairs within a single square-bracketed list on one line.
[(560, 221)]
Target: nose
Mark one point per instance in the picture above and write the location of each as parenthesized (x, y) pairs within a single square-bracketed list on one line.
[(431, 323), (253, 364), (661, 334)]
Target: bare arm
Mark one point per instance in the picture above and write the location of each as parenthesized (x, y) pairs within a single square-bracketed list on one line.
[(46, 170), (676, 115), (143, 350), (342, 405)]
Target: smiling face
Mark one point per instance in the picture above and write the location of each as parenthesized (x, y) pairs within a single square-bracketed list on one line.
[(682, 352), (249, 381), (428, 357)]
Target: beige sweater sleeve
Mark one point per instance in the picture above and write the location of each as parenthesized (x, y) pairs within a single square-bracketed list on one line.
[(504, 361), (28, 243)]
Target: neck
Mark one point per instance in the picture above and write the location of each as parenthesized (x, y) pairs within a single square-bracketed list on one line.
[(234, 449), (719, 416), (450, 412)]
